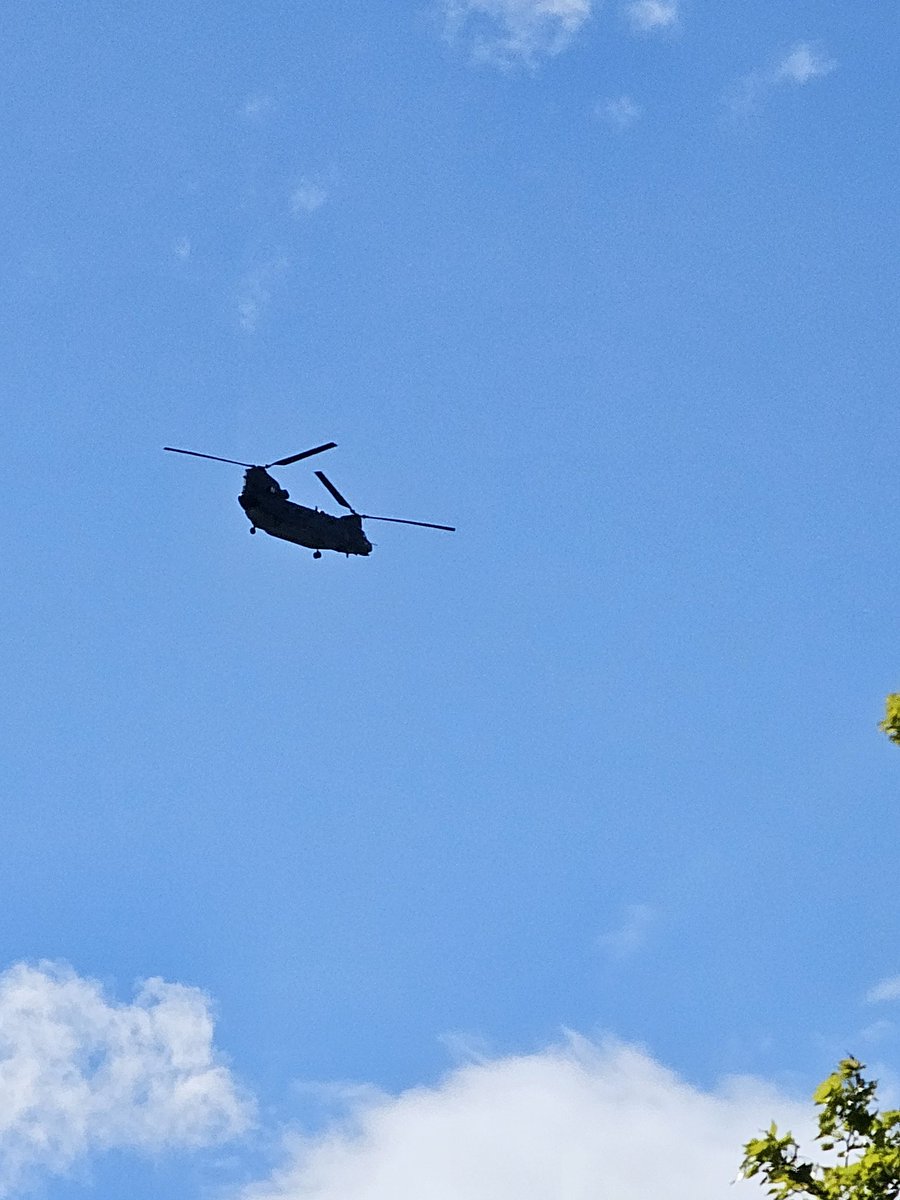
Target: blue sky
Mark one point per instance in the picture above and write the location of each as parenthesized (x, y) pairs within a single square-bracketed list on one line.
[(442, 861)]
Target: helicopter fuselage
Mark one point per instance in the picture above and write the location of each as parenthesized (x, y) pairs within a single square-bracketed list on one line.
[(268, 508)]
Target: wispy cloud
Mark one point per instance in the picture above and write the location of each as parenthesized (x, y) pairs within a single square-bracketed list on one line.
[(647, 16), (620, 113), (745, 99), (887, 989), (514, 32), (255, 291), (802, 64), (632, 932), (182, 248), (877, 1032), (578, 1119), (307, 196), (81, 1073), (255, 108)]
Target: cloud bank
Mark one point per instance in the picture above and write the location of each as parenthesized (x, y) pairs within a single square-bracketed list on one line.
[(515, 32), (81, 1073), (579, 1121)]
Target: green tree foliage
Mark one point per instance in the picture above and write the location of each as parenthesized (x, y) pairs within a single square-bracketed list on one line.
[(891, 723), (862, 1143)]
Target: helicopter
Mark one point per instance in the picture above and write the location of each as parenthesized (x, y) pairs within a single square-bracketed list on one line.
[(269, 508)]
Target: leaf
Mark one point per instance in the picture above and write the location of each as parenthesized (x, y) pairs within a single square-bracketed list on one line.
[(826, 1089), (891, 723)]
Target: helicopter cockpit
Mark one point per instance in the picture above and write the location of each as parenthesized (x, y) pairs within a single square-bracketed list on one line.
[(260, 484)]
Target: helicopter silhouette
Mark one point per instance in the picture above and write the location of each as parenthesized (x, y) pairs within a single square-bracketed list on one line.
[(269, 508)]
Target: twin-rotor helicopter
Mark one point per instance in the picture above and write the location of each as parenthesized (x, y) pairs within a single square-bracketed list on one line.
[(269, 508)]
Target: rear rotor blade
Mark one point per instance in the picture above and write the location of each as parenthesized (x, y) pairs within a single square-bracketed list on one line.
[(401, 521), (214, 457), (323, 478), (286, 462)]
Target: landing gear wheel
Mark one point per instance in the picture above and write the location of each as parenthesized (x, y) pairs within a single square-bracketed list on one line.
[(253, 529), (317, 554)]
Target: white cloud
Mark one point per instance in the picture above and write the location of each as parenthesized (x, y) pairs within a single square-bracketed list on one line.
[(746, 97), (255, 292), (802, 64), (887, 989), (648, 15), (81, 1073), (515, 32), (621, 113), (576, 1121), (307, 196)]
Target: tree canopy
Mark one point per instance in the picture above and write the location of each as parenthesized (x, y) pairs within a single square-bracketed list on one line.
[(862, 1145)]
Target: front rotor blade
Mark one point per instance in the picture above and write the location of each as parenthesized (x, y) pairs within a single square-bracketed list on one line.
[(337, 495), (286, 462), (214, 457), (401, 521)]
